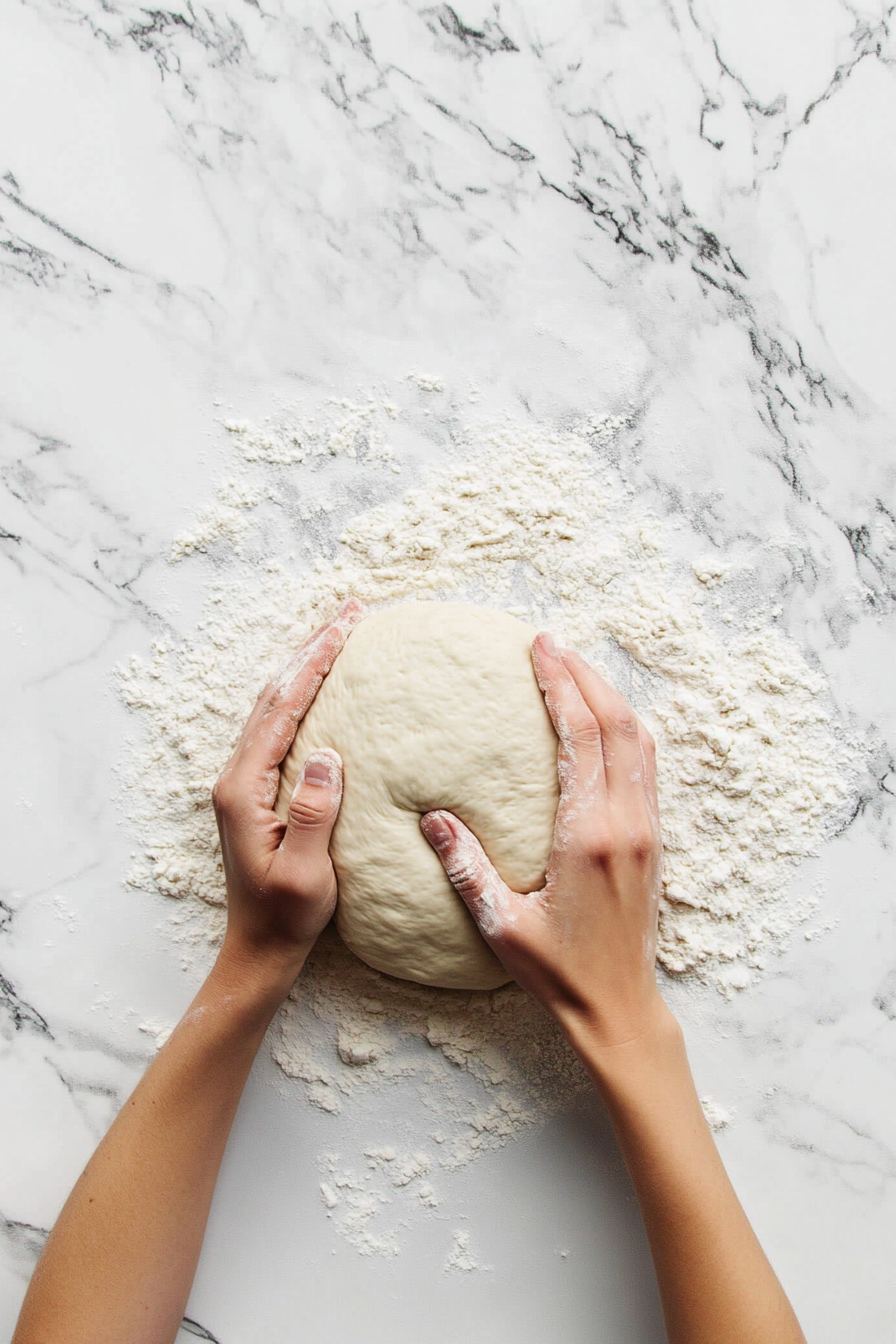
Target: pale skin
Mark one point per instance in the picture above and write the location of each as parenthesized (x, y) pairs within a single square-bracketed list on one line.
[(119, 1264)]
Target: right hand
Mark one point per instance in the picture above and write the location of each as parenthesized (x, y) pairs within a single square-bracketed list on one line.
[(585, 945)]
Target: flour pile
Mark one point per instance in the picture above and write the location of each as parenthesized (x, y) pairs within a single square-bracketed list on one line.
[(753, 771)]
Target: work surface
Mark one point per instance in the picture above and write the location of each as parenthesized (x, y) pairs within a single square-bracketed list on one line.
[(678, 215)]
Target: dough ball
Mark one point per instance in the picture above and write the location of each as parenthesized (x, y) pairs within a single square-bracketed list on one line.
[(431, 704)]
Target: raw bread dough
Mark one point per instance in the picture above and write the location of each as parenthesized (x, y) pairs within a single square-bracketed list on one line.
[(431, 704)]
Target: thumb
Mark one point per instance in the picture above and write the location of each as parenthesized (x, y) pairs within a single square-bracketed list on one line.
[(313, 808), (470, 872)]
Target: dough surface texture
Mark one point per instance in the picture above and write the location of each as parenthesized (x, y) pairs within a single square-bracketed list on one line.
[(431, 705)]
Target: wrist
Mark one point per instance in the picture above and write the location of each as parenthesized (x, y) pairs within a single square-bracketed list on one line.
[(622, 1057), (261, 977)]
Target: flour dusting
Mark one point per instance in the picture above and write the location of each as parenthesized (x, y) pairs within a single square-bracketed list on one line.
[(718, 1117), (346, 429), (384, 1181), (461, 1257), (754, 772)]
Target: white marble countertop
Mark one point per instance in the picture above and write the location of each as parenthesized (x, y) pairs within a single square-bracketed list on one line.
[(685, 205)]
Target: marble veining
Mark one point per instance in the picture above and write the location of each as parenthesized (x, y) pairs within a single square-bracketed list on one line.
[(677, 208)]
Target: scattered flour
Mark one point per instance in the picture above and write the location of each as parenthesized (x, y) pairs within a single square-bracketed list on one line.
[(356, 1199), (157, 1029), (426, 382), (353, 1201), (346, 429), (710, 570), (484, 1064), (226, 519), (460, 1257), (754, 773), (718, 1117)]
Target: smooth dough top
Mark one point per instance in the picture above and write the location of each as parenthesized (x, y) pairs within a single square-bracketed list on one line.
[(431, 705)]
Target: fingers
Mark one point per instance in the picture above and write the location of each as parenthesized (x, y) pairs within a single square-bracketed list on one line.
[(629, 761), (648, 750), (250, 778), (580, 762), (284, 701), (313, 810), (490, 901), (597, 711), (314, 657), (573, 719)]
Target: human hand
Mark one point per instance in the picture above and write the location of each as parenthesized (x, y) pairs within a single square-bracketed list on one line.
[(281, 888), (585, 945)]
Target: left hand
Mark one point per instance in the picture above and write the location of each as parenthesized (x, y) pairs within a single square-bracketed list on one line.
[(281, 888)]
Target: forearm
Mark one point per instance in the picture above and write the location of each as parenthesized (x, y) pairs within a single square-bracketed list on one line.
[(714, 1279), (119, 1263)]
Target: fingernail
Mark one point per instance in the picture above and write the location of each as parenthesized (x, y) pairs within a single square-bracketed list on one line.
[(317, 772), (437, 831), (548, 645)]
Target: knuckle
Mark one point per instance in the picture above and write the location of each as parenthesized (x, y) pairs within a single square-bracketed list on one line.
[(625, 722), (275, 702), (267, 699), (585, 734), (642, 843), (306, 813), (599, 846), (222, 794), (465, 876), (464, 881), (604, 848)]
